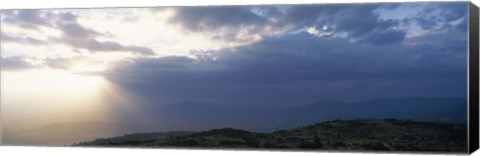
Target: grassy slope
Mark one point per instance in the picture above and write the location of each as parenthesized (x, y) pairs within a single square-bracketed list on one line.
[(383, 135)]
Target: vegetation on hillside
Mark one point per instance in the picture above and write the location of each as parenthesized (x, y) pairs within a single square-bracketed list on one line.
[(379, 135)]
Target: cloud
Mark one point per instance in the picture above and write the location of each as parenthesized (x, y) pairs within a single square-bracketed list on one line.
[(97, 46), (15, 63), (306, 53), (66, 63), (24, 62), (73, 29), (73, 33), (441, 15), (169, 62), (29, 19), (357, 21), (21, 40), (215, 17), (432, 18), (237, 24), (297, 68), (80, 37), (385, 37), (360, 22)]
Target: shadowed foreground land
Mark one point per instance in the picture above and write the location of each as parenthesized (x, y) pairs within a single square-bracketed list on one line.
[(380, 135)]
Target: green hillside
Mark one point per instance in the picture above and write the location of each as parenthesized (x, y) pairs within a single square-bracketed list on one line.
[(379, 135)]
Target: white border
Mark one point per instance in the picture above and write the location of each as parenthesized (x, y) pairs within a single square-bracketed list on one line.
[(61, 151)]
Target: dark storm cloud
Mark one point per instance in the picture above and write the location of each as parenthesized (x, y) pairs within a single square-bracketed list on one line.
[(308, 55), (297, 69), (385, 37), (73, 33), (300, 68)]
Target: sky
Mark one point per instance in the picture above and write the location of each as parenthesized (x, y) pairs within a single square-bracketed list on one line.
[(87, 64)]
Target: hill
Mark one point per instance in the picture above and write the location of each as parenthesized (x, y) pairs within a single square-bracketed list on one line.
[(379, 135)]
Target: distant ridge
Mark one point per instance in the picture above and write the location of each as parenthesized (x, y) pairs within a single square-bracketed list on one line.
[(202, 115)]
